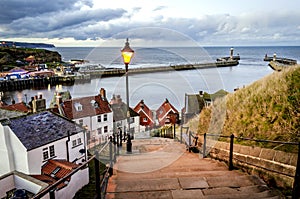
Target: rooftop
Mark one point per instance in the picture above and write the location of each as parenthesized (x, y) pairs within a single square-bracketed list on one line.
[(42, 128), (85, 106), (5, 114), (21, 107)]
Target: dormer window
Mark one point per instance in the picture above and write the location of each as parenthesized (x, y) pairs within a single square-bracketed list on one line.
[(78, 106), (94, 103)]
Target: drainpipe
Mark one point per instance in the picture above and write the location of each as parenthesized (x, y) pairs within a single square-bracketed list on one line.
[(85, 144), (67, 146)]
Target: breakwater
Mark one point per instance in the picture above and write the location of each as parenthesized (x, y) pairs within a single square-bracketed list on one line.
[(121, 72), (37, 83), (43, 82)]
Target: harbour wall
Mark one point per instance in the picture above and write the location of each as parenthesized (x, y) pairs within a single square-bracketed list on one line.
[(43, 82)]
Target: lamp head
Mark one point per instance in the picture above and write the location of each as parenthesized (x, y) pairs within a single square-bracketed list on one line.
[(127, 53)]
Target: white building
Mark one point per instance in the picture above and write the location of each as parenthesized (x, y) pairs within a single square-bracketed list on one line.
[(93, 113), (120, 116), (29, 143)]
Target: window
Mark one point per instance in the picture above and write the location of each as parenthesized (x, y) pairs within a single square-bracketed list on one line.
[(105, 117), (131, 120), (81, 122), (74, 143), (99, 130), (99, 118), (105, 129), (79, 141), (52, 152), (78, 106), (145, 119), (47, 151), (45, 155)]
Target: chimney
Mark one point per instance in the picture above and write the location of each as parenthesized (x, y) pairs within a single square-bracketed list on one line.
[(58, 99), (201, 93), (119, 99), (34, 104), (103, 94), (142, 104)]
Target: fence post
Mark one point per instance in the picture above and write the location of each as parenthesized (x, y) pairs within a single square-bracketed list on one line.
[(97, 175), (204, 146), (296, 185), (181, 135), (190, 140), (174, 131), (231, 153), (110, 156), (52, 194), (115, 151)]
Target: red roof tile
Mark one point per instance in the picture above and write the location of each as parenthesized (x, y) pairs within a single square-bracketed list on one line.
[(21, 107), (89, 108), (166, 111), (54, 170), (144, 111)]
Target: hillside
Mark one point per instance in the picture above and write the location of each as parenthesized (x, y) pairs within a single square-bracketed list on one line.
[(9, 56), (267, 109)]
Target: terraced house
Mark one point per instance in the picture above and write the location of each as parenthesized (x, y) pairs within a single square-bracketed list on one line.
[(37, 150), (92, 112)]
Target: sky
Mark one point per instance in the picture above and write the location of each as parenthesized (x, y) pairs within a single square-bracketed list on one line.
[(156, 22)]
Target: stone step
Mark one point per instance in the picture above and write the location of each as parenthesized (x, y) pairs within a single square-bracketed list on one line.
[(171, 174), (193, 194), (264, 194)]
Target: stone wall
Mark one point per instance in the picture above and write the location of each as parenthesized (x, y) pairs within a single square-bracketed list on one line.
[(276, 167)]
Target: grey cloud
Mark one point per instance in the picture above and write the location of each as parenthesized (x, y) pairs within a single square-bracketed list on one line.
[(103, 23), (63, 22), (17, 9)]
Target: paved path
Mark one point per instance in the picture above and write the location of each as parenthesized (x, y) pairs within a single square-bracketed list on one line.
[(161, 168)]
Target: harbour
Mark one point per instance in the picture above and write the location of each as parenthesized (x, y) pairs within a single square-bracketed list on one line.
[(85, 76), (155, 87)]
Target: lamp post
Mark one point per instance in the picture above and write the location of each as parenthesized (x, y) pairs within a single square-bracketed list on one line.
[(127, 54)]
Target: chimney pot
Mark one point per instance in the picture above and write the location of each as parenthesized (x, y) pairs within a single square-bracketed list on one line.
[(103, 93)]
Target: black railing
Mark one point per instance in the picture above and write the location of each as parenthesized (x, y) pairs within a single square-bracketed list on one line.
[(296, 184), (101, 180)]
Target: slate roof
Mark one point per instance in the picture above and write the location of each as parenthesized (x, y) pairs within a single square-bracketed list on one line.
[(5, 114), (42, 128), (88, 108), (194, 103), (120, 111)]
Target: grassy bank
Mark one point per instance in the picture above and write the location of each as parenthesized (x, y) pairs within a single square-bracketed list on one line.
[(267, 109)]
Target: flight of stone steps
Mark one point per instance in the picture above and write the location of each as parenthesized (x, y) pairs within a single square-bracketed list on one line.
[(185, 176)]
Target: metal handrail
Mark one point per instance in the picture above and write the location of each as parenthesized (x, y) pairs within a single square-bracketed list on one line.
[(50, 189), (296, 185), (255, 140)]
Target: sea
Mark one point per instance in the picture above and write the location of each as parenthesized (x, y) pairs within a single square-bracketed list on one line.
[(154, 88)]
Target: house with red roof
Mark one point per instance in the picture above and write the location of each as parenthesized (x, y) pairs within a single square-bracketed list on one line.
[(44, 146), (146, 115), (92, 112), (20, 107), (167, 114)]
